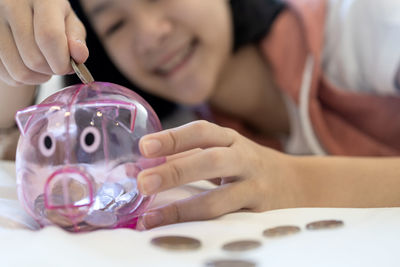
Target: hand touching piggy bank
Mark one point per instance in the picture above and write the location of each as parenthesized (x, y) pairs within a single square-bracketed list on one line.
[(78, 157)]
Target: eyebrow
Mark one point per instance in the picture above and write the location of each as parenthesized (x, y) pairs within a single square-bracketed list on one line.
[(100, 8)]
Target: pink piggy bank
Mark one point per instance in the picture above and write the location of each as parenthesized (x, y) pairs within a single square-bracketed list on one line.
[(78, 157)]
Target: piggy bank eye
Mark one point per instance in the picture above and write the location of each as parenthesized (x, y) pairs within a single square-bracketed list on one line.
[(90, 139), (47, 144)]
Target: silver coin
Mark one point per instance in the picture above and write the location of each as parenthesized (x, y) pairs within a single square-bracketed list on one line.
[(241, 245), (81, 227), (127, 198), (128, 184), (102, 201), (281, 231), (113, 190), (76, 192), (58, 218), (230, 263), (82, 72), (176, 242), (130, 195), (324, 224), (101, 218), (39, 206), (107, 195)]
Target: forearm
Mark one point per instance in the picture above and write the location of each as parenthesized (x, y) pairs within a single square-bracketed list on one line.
[(347, 181), (11, 100)]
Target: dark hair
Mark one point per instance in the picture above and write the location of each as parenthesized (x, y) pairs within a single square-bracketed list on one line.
[(251, 21)]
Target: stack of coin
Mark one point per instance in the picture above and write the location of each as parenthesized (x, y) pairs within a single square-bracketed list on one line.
[(77, 193), (110, 198), (113, 196)]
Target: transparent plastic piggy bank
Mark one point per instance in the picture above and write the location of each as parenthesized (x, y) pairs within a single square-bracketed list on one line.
[(78, 157)]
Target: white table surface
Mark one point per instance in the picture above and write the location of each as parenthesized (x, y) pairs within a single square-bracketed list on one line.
[(370, 237)]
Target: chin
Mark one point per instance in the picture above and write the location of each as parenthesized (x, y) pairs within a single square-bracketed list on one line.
[(194, 93)]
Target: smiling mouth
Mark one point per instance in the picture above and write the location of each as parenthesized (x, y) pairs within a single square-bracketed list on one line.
[(177, 62)]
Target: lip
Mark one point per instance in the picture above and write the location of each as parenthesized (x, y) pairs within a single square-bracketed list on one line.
[(181, 62)]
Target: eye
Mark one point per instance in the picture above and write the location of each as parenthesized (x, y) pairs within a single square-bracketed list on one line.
[(47, 144), (114, 28), (90, 139)]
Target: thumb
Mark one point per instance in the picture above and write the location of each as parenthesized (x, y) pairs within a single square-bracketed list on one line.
[(76, 35)]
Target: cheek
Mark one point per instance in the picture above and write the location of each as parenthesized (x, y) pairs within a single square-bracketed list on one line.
[(122, 55)]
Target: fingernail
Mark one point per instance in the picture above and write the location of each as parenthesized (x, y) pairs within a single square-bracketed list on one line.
[(151, 146), (152, 219), (149, 184), (80, 41)]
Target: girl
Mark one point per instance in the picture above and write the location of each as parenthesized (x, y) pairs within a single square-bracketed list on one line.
[(333, 91)]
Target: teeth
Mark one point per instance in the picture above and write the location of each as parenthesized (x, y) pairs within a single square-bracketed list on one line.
[(174, 62)]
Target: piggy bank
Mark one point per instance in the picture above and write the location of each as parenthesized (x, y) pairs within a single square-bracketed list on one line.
[(78, 157)]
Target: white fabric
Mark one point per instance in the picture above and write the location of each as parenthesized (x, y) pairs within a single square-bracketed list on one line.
[(370, 237), (362, 44), (361, 53)]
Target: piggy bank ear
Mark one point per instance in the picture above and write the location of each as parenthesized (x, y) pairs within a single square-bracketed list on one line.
[(26, 117)]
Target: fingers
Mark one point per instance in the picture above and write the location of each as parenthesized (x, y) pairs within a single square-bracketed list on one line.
[(13, 63), (49, 23), (37, 39), (5, 77), (207, 205), (76, 35), (198, 134), (20, 22), (207, 164), (184, 154)]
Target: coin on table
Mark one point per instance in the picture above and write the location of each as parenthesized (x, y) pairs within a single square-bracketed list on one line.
[(101, 218), (241, 245), (176, 242), (324, 224), (230, 263), (281, 231), (82, 72)]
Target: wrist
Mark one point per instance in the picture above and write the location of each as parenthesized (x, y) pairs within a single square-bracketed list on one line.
[(299, 187)]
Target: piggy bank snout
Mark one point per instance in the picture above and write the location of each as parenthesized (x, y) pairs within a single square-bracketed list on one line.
[(68, 189)]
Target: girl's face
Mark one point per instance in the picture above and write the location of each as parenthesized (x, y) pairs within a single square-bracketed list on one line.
[(172, 48)]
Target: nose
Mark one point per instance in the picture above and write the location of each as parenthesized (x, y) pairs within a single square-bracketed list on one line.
[(151, 32), (69, 192)]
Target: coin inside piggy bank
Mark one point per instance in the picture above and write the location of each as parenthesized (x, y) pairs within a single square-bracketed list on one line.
[(78, 157)]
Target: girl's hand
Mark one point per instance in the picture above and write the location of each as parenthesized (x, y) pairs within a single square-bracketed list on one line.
[(254, 177), (37, 39)]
